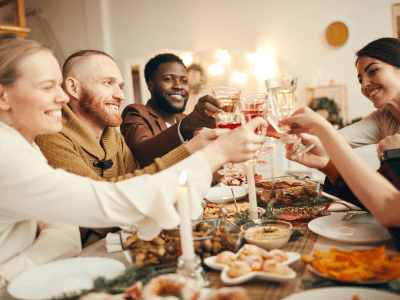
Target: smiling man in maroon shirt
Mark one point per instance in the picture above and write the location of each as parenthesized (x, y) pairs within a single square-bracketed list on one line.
[(154, 129)]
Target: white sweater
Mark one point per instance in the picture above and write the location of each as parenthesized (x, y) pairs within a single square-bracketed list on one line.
[(31, 190)]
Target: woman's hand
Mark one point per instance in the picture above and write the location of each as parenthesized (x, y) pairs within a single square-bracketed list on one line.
[(304, 120), (388, 143), (316, 157)]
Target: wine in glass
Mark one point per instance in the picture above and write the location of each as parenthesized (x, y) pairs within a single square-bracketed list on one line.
[(228, 96), (281, 92), (229, 120), (252, 106)]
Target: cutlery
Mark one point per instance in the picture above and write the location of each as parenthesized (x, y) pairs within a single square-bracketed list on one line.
[(349, 215)]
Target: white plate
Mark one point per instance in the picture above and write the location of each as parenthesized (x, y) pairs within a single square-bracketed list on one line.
[(259, 275), (316, 272), (63, 276), (211, 261), (360, 229), (223, 194), (343, 293)]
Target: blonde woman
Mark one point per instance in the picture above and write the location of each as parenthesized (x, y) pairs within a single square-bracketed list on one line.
[(30, 104)]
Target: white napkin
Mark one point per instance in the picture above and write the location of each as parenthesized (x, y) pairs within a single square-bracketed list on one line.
[(341, 206), (337, 204), (113, 243)]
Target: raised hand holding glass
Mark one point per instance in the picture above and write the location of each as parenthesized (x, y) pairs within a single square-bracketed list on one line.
[(281, 92)]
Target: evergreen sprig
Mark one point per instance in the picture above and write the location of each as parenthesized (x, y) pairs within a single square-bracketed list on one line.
[(242, 218), (119, 284)]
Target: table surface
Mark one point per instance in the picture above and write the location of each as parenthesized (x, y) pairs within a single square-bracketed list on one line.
[(257, 289)]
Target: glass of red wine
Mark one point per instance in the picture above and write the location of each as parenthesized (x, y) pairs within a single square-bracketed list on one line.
[(229, 120), (252, 106)]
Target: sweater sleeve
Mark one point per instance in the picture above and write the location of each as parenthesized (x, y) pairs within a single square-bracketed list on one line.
[(138, 134), (63, 153), (365, 132)]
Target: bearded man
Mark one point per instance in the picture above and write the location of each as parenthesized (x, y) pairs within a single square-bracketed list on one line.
[(154, 129), (88, 144)]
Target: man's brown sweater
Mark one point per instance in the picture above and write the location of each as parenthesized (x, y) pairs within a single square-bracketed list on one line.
[(75, 150)]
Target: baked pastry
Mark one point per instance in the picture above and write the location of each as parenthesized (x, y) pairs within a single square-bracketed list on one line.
[(254, 261), (272, 266), (226, 258), (239, 268), (249, 249), (278, 255)]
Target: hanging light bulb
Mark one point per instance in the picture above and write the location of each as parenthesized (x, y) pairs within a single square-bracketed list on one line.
[(223, 56), (216, 69), (239, 77), (187, 58)]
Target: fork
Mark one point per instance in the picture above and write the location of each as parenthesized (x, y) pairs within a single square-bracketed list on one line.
[(349, 215)]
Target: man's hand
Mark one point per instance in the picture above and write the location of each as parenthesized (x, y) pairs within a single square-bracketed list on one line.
[(201, 116), (388, 143), (203, 138), (314, 158)]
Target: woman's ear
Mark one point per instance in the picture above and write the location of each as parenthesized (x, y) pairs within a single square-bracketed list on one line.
[(72, 87), (4, 101)]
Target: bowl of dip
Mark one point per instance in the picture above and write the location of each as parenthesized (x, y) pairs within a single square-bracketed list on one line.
[(268, 234)]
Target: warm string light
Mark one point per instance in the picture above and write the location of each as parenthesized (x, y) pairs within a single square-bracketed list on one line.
[(241, 69)]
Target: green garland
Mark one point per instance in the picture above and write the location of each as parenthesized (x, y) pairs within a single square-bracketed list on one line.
[(329, 109)]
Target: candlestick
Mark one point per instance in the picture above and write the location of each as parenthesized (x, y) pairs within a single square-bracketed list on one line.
[(185, 227), (252, 191), (273, 159)]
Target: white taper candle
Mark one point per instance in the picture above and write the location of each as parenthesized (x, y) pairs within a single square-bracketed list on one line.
[(185, 227)]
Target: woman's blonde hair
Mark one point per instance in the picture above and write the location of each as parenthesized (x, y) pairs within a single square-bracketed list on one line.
[(13, 50)]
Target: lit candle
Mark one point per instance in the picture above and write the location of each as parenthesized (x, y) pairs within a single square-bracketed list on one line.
[(252, 191), (185, 227), (273, 159)]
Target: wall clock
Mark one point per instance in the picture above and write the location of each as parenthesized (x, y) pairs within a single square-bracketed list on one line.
[(337, 34)]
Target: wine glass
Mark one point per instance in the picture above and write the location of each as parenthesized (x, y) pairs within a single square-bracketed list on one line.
[(228, 96), (252, 106), (281, 91), (229, 120)]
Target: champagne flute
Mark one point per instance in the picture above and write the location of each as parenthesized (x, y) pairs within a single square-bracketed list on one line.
[(281, 91), (252, 106), (229, 120), (228, 96)]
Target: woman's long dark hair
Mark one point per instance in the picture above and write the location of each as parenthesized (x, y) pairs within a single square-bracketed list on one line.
[(384, 49)]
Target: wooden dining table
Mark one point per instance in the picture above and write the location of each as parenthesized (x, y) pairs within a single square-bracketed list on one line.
[(257, 289)]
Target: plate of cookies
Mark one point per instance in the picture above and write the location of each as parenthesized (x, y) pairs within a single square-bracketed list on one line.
[(253, 262)]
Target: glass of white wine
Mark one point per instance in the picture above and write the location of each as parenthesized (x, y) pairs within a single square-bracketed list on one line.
[(228, 96), (281, 93)]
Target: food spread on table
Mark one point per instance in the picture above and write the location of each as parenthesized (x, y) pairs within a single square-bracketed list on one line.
[(209, 239), (224, 243)]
